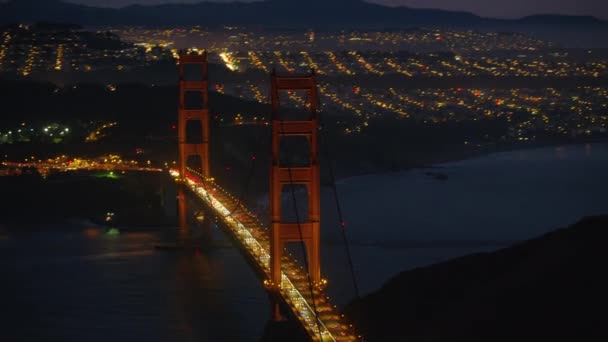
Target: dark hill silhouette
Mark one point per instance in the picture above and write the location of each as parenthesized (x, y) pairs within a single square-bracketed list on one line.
[(547, 289), (274, 13)]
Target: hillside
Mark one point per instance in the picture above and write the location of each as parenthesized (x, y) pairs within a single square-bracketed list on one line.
[(341, 14), (549, 288)]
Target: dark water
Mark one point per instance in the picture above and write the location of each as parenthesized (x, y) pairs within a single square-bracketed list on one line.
[(78, 282), (579, 38), (404, 220)]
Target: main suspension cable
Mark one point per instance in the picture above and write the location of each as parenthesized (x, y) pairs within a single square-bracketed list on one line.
[(342, 223), (302, 244), (246, 185)]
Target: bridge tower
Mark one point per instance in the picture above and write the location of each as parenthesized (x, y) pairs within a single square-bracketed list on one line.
[(197, 112), (307, 232)]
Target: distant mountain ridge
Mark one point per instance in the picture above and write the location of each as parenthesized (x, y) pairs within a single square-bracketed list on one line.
[(330, 14)]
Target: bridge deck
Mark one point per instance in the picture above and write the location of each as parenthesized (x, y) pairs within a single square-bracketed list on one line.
[(254, 240)]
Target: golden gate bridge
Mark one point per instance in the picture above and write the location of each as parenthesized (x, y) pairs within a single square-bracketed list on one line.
[(298, 290)]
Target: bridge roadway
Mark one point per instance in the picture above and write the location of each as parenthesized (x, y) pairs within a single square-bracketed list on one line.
[(254, 240)]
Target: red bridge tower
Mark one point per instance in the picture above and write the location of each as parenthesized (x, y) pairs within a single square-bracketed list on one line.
[(200, 112), (280, 175)]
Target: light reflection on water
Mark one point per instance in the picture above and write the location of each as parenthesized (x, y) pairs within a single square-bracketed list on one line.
[(77, 282), (70, 282)]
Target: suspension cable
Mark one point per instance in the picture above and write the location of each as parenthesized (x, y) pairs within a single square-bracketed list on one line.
[(247, 183), (341, 222), (302, 244)]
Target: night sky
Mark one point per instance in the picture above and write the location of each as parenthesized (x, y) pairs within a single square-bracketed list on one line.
[(491, 8)]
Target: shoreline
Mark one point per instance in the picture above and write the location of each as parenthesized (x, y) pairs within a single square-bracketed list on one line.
[(435, 163)]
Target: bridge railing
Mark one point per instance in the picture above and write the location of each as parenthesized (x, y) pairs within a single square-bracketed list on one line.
[(258, 250)]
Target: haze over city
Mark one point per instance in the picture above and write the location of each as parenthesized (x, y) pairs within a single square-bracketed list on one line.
[(490, 8)]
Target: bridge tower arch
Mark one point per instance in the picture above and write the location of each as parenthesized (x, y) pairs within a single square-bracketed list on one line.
[(196, 112), (308, 231)]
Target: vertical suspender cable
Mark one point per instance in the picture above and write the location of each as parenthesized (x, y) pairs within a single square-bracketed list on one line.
[(340, 215), (302, 244), (332, 179)]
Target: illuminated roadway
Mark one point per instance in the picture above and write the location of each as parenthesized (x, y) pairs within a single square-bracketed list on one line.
[(254, 240)]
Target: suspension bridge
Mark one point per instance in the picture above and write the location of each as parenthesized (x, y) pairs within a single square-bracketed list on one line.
[(295, 290)]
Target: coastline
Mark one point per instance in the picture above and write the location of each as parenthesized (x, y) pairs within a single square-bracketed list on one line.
[(548, 261), (436, 162), (514, 211)]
